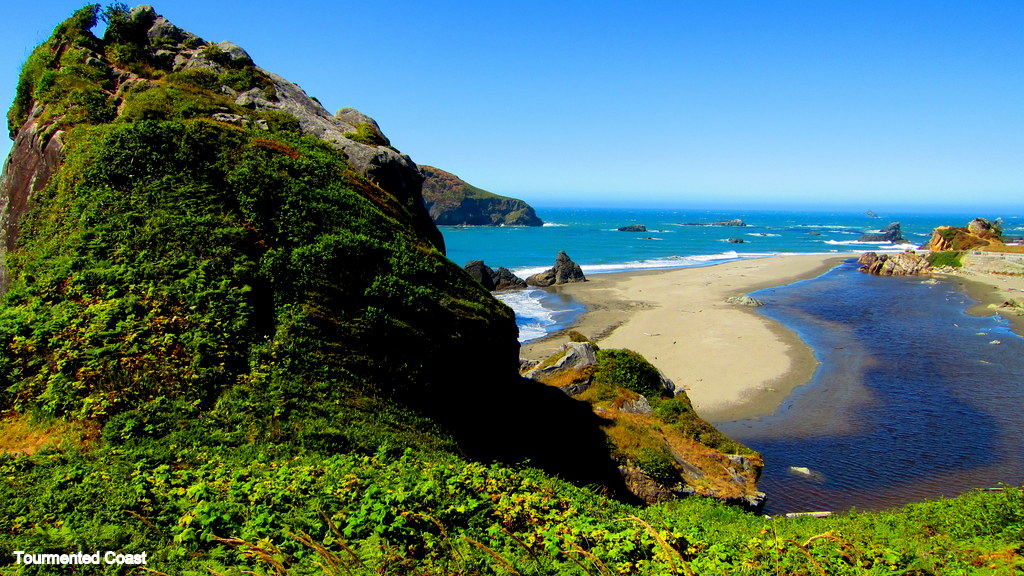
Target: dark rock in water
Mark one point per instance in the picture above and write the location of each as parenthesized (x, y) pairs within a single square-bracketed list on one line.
[(736, 240), (890, 233), (633, 228), (564, 272), (493, 280), (734, 222), (814, 233), (902, 264), (871, 214)]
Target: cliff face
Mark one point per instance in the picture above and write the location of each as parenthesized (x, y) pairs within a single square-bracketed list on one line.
[(978, 234), (453, 202)]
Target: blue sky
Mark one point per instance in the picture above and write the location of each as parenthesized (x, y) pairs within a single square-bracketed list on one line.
[(676, 104)]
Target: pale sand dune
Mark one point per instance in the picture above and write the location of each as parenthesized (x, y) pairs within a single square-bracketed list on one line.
[(733, 362)]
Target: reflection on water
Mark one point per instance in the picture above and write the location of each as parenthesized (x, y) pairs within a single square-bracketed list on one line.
[(914, 399)]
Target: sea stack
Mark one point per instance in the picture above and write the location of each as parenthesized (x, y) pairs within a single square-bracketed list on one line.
[(563, 272)]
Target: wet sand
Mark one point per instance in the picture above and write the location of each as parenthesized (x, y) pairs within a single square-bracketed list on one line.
[(733, 362)]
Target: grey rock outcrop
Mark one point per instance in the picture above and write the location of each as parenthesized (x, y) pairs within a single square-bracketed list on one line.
[(563, 272), (902, 264), (633, 228), (494, 280), (575, 356), (890, 233), (33, 159), (638, 405)]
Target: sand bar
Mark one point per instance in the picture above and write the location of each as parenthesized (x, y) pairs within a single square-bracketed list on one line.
[(733, 362)]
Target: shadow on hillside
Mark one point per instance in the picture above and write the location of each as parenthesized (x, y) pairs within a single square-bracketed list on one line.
[(520, 420)]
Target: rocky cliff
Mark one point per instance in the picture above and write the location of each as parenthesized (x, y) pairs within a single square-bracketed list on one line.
[(453, 202), (193, 243), (979, 234)]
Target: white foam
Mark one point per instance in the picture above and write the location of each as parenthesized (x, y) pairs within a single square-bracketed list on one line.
[(553, 225), (533, 318)]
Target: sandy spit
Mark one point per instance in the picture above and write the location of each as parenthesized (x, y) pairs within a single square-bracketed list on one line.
[(733, 362)]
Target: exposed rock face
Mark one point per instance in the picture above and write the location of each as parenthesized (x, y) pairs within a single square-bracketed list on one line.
[(633, 228), (890, 233), (979, 233), (563, 272), (31, 163), (576, 356), (453, 202), (493, 280), (902, 264), (681, 465), (736, 240)]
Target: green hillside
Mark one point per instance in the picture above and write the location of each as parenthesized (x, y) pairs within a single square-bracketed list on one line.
[(228, 347)]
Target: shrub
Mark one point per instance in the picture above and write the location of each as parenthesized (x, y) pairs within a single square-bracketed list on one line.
[(367, 134), (950, 258), (630, 370)]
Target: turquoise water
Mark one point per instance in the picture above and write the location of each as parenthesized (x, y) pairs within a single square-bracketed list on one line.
[(591, 238), (913, 399)]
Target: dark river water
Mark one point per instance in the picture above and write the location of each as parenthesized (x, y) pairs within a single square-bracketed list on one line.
[(914, 399)]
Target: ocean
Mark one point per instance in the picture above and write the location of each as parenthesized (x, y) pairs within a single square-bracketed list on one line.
[(912, 400)]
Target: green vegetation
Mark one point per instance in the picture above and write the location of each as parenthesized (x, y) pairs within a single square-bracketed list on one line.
[(630, 370), (950, 258), (202, 509), (367, 134), (223, 347)]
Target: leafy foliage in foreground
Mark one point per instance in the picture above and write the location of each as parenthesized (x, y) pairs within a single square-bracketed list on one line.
[(242, 314), (202, 508)]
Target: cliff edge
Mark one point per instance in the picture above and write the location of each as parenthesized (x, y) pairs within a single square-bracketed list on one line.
[(453, 202)]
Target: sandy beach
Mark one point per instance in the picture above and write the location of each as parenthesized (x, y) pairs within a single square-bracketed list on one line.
[(733, 362)]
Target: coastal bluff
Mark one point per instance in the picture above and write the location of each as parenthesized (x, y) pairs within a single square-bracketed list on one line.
[(451, 201), (243, 259)]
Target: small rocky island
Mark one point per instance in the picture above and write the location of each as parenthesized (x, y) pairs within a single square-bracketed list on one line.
[(633, 228), (734, 222), (453, 202), (890, 233)]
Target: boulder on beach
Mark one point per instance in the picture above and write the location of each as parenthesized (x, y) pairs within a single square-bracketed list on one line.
[(563, 272)]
